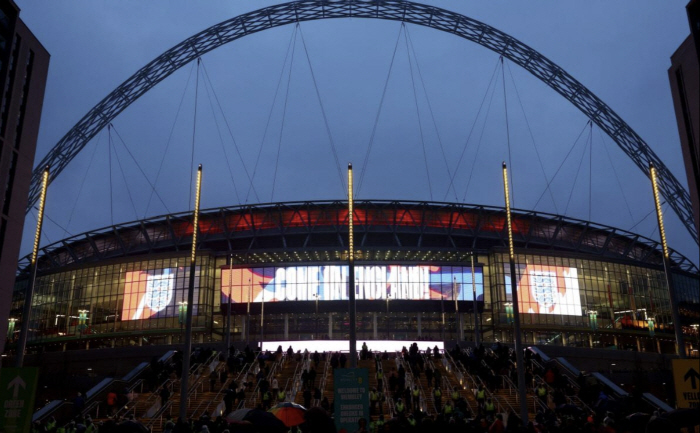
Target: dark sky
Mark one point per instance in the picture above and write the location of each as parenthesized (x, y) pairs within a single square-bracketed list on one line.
[(619, 50)]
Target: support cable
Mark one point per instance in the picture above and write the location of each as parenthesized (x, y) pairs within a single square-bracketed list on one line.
[(230, 132), (167, 144), (578, 170), (323, 112), (143, 173), (365, 163), (128, 191), (471, 130), (644, 218), (292, 41), (218, 131), (194, 132), (420, 122), (617, 178), (284, 116), (80, 188), (505, 104), (532, 137), (430, 109), (478, 144), (590, 173), (562, 163), (109, 159)]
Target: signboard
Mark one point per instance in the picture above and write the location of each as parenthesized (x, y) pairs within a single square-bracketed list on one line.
[(686, 378), (545, 289), (331, 283), (17, 387), (351, 401)]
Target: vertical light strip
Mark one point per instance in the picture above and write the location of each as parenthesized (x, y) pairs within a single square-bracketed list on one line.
[(659, 213), (351, 240), (40, 218), (508, 218), (195, 220)]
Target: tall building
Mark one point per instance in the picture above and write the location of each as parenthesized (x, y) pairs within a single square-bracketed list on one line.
[(684, 76), (24, 65)]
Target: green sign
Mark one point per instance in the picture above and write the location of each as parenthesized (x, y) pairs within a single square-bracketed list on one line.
[(351, 402), (17, 388)]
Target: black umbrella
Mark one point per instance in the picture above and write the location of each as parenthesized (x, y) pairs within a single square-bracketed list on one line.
[(264, 421)]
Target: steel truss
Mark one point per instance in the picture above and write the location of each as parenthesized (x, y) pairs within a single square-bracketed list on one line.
[(384, 231), (395, 10)]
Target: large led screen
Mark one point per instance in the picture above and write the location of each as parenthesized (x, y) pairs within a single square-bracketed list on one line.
[(545, 289), (330, 283), (157, 293)]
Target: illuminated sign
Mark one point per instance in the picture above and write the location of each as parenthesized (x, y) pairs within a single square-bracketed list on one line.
[(330, 283), (546, 289), (156, 293)]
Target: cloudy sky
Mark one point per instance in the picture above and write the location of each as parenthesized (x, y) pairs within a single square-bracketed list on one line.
[(442, 116)]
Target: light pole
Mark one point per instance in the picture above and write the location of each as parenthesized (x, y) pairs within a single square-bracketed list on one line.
[(247, 318), (228, 311)]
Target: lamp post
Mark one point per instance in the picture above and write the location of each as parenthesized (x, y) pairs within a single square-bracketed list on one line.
[(476, 310), (516, 312), (352, 307), (27, 308), (228, 311), (680, 345), (247, 318), (184, 378)]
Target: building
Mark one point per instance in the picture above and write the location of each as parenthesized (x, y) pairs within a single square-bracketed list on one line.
[(422, 271), (24, 65)]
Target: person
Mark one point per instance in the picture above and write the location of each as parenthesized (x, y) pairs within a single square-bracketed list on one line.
[(380, 378), (266, 400), (400, 408), (373, 401), (378, 425), (449, 409), (415, 398), (275, 386), (343, 360), (307, 397), (429, 375), (497, 425), (361, 426), (481, 396), (312, 377), (365, 350), (281, 396), (78, 404), (437, 399), (541, 392), (164, 395), (213, 378), (112, 402), (50, 425), (455, 395), (489, 408)]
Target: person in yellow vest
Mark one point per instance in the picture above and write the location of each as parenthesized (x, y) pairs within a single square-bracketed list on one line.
[(455, 395), (266, 400), (373, 400), (281, 396), (51, 425), (481, 395), (415, 397), (448, 410), (411, 421), (437, 399), (90, 427), (380, 379), (541, 392), (400, 408), (489, 408), (378, 425)]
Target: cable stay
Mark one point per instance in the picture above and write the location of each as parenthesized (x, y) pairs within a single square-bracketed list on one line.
[(80, 188), (617, 178), (143, 173), (532, 137), (505, 109), (218, 131), (323, 113), (121, 169), (194, 134), (578, 170), (481, 136), (471, 130), (365, 162), (432, 115), (109, 152), (588, 122), (284, 116), (167, 144), (653, 210), (420, 122), (291, 43)]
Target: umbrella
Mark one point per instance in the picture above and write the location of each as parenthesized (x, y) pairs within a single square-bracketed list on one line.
[(289, 413), (237, 415), (263, 421)]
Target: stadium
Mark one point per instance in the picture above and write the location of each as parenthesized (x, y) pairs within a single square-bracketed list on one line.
[(422, 268)]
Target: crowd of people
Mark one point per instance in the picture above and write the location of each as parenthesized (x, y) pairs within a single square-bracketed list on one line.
[(450, 411)]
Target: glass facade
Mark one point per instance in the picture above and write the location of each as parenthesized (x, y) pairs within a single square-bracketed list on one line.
[(570, 300)]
